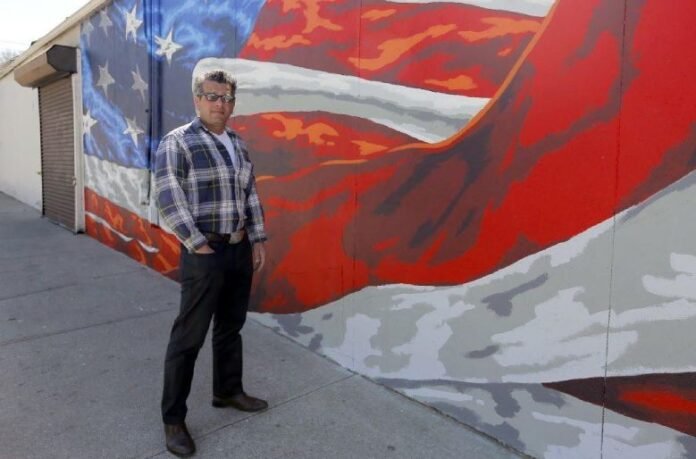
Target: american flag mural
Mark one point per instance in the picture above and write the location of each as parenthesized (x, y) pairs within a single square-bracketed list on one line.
[(486, 205)]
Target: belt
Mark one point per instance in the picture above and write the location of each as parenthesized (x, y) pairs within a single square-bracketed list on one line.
[(233, 238)]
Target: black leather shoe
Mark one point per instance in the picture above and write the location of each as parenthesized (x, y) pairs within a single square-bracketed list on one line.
[(179, 441), (241, 401)]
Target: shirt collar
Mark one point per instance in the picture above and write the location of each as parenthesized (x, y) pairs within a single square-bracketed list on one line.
[(198, 124)]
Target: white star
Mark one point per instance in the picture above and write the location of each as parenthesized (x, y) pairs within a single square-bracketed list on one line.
[(105, 79), (133, 130), (138, 83), (167, 47), (132, 23), (104, 21), (87, 30), (87, 123)]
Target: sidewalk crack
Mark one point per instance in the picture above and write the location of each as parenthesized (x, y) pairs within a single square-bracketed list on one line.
[(85, 327)]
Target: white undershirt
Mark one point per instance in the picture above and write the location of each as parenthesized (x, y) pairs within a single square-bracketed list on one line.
[(227, 142)]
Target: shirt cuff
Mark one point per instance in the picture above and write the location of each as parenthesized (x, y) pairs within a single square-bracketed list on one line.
[(256, 234), (195, 242)]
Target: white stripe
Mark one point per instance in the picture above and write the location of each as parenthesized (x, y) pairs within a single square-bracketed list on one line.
[(123, 186), (530, 7), (270, 87)]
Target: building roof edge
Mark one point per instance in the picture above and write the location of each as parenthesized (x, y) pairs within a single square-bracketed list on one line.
[(69, 22)]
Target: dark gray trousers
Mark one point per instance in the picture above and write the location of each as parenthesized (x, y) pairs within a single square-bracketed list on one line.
[(215, 287)]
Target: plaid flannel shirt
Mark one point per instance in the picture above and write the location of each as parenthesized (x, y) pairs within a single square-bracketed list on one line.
[(199, 190)]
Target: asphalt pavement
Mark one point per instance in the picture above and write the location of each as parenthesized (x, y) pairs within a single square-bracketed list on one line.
[(83, 330)]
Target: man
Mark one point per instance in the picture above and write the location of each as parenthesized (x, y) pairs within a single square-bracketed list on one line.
[(206, 193)]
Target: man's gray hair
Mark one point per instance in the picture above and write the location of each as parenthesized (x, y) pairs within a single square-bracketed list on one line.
[(217, 76)]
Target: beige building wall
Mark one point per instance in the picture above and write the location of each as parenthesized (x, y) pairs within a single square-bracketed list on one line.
[(20, 142)]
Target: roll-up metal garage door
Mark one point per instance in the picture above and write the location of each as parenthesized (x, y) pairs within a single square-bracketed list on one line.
[(58, 152)]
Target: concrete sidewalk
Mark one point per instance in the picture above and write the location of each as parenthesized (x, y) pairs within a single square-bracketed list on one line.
[(83, 331)]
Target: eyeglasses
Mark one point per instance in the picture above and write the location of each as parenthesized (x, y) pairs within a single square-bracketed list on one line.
[(212, 97)]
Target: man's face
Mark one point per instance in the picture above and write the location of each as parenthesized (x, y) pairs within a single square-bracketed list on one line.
[(214, 114)]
